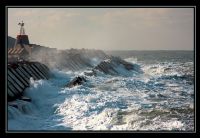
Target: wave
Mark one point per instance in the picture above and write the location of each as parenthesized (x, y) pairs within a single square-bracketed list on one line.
[(151, 100)]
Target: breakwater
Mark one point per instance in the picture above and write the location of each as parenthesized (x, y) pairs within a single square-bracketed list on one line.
[(19, 75)]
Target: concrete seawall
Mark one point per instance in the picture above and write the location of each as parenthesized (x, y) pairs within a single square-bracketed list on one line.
[(19, 74)]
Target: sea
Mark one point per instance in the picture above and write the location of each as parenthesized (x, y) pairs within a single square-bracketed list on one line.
[(158, 95)]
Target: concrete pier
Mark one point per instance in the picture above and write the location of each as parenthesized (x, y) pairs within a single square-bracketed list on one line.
[(19, 74)]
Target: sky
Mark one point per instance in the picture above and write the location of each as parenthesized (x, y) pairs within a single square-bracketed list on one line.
[(106, 28)]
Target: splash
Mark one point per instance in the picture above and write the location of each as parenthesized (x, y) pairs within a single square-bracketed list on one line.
[(160, 98)]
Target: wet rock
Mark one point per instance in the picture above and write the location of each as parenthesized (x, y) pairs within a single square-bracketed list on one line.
[(75, 59), (76, 81), (114, 65)]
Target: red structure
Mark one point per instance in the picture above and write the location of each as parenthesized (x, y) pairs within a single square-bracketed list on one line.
[(22, 39), (22, 47)]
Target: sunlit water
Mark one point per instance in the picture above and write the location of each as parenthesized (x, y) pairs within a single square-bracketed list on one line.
[(158, 96)]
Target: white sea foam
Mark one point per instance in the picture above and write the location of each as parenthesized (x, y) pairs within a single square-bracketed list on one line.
[(141, 101), (95, 61), (131, 60)]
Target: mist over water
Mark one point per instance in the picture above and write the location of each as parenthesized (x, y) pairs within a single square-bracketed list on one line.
[(158, 95)]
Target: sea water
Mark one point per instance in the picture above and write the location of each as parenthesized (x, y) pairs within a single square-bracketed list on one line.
[(158, 95)]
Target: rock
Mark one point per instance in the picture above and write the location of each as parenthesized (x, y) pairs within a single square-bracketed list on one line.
[(112, 66), (76, 81), (75, 59)]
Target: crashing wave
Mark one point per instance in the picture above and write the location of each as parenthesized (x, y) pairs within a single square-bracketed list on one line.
[(115, 66)]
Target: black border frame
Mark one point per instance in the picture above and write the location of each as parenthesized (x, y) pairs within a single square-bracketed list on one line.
[(183, 5)]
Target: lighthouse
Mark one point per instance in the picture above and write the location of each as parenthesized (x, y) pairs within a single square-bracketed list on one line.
[(22, 47), (22, 38)]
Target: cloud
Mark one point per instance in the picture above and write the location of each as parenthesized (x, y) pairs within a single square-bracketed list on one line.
[(47, 18), (25, 13), (141, 13), (145, 17)]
